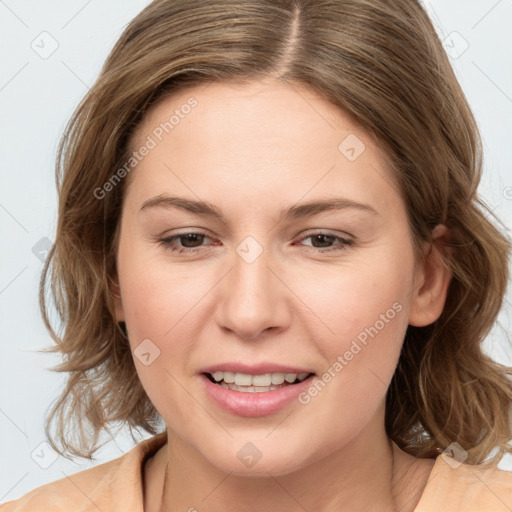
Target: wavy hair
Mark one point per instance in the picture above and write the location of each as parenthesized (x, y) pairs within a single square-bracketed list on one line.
[(379, 61)]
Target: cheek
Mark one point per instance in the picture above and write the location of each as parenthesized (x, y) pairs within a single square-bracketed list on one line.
[(367, 316), (363, 317), (361, 301), (160, 305), (158, 297)]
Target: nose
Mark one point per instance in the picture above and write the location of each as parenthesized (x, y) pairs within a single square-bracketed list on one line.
[(253, 300)]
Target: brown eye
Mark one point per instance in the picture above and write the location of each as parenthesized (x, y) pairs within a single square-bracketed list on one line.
[(188, 242), (191, 239), (325, 242)]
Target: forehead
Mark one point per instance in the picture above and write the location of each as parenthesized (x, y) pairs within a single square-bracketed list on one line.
[(263, 109), (242, 138)]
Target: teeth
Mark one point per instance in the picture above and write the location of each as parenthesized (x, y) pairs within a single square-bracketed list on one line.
[(248, 389), (260, 381), (242, 379), (277, 378)]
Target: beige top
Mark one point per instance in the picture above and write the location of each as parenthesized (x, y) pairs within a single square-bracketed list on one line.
[(118, 486)]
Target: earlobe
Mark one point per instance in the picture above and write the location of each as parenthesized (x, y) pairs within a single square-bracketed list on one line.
[(430, 295), (115, 292)]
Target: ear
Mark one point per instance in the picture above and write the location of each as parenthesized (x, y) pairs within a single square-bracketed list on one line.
[(115, 291), (432, 280)]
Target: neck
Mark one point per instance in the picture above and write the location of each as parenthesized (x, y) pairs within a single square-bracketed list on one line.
[(370, 473)]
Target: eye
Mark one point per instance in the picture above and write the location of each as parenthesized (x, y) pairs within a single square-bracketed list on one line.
[(323, 242), (192, 241), (188, 242)]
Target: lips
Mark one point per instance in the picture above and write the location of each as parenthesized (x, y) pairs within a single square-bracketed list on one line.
[(264, 376), (253, 401)]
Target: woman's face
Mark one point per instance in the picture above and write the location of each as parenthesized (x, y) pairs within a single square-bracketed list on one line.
[(266, 284)]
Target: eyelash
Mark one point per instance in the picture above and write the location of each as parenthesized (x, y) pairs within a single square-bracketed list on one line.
[(167, 242)]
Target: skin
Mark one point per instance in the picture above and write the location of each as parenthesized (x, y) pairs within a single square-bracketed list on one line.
[(252, 150)]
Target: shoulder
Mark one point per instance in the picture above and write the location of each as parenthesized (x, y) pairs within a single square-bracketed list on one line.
[(68, 493), (113, 485), (455, 487)]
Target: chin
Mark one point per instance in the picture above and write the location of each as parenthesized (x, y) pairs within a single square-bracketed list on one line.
[(248, 461)]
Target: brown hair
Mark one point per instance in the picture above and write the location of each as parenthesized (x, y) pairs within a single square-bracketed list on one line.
[(382, 63)]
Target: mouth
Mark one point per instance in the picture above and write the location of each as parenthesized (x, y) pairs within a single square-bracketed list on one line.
[(247, 383)]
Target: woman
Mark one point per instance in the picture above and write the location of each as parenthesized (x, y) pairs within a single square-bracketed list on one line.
[(269, 238)]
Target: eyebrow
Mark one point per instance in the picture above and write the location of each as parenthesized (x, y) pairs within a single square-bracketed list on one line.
[(294, 212)]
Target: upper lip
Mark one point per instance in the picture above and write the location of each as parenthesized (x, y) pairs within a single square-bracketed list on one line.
[(253, 369)]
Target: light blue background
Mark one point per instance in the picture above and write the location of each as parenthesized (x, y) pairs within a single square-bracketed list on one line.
[(38, 96)]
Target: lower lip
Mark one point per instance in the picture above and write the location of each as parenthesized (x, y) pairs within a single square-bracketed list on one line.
[(254, 404)]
